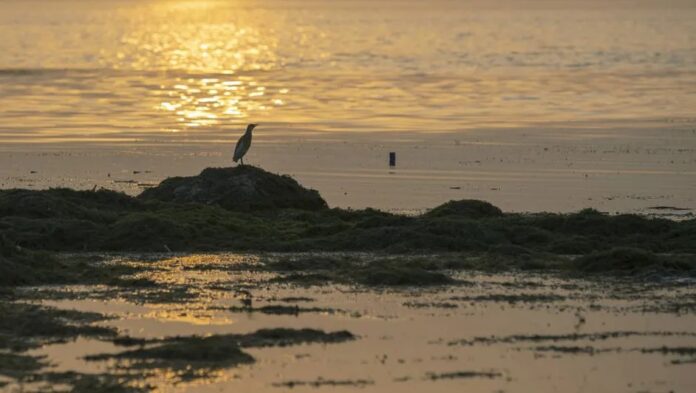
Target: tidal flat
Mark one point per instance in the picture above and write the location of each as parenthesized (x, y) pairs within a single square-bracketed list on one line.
[(204, 322), (240, 279)]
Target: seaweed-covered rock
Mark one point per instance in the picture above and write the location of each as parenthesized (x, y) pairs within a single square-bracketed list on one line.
[(631, 261), (241, 188), (146, 232), (394, 275), (101, 205), (21, 267), (468, 208)]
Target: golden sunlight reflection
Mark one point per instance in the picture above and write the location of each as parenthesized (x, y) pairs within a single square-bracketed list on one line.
[(223, 49), (211, 101), (184, 44), (207, 273), (187, 315), (183, 380), (116, 74)]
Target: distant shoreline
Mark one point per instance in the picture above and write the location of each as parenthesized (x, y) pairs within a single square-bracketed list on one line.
[(618, 170)]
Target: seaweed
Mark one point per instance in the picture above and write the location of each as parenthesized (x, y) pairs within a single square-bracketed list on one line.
[(248, 209), (596, 336), (320, 382), (25, 326), (394, 275), (19, 366), (376, 272), (29, 326), (510, 298), (278, 309), (462, 375), (193, 357), (630, 260)]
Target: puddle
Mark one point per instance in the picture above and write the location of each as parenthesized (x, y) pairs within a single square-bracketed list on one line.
[(487, 333)]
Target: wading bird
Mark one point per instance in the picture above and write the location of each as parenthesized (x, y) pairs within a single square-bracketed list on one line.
[(243, 144)]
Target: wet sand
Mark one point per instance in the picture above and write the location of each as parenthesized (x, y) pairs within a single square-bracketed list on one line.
[(488, 332), (648, 168)]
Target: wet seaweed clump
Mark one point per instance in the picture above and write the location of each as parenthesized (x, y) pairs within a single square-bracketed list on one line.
[(20, 266), (276, 337), (596, 336), (26, 326), (320, 382), (395, 275), (241, 188), (443, 305), (463, 375), (185, 352), (686, 355), (20, 367), (511, 298), (193, 357), (30, 326), (320, 270), (572, 349), (98, 205), (283, 337), (627, 260), (281, 309)]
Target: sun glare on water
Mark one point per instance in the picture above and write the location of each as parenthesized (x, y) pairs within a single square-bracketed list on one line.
[(185, 71), (212, 54)]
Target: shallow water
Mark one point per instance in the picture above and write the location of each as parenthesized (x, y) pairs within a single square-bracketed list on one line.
[(181, 71), (603, 335)]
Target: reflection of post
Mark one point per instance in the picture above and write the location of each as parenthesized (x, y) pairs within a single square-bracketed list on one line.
[(392, 158)]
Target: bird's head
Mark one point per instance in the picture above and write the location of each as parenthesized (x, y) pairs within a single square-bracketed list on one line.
[(250, 127)]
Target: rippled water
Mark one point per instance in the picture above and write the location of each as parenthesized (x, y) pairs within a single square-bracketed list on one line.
[(182, 71)]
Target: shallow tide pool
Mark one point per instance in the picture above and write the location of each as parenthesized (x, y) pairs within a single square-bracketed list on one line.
[(505, 332)]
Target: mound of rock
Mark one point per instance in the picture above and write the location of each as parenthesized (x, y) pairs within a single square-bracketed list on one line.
[(240, 188), (469, 208)]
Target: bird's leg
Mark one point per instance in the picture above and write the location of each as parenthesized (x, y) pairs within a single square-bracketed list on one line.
[(242, 159)]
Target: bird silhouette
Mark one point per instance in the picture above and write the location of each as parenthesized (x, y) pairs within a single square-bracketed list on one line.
[(243, 144)]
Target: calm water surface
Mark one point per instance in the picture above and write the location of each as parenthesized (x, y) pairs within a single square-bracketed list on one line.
[(186, 71)]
